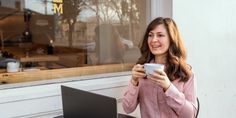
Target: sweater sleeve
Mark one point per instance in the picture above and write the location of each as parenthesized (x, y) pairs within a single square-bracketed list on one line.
[(183, 103), (130, 98)]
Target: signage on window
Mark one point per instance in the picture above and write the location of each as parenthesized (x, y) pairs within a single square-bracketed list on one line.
[(58, 6)]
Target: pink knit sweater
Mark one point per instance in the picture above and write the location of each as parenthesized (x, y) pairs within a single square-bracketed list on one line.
[(179, 100)]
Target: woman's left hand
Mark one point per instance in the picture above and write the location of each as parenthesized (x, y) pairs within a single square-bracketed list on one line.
[(159, 77)]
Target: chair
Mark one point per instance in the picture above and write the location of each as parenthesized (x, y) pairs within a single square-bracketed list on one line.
[(198, 108)]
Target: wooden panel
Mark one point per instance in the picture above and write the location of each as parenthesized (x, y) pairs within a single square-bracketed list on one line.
[(62, 73), (40, 58)]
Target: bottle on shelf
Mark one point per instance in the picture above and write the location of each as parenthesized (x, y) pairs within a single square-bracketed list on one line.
[(50, 48)]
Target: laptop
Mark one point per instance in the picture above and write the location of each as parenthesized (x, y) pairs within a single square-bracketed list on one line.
[(83, 104)]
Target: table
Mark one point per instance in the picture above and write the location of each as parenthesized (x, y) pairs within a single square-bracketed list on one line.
[(32, 57)]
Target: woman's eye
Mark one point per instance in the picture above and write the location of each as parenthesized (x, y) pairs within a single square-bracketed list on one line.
[(150, 35), (160, 35)]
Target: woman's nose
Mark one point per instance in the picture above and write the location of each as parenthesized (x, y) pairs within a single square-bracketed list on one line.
[(155, 38)]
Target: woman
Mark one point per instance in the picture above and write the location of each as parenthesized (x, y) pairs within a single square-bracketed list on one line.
[(164, 94)]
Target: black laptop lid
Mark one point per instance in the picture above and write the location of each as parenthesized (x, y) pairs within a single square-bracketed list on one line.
[(83, 104)]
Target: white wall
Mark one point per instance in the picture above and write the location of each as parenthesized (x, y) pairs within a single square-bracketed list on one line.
[(160, 8), (209, 31), (44, 101)]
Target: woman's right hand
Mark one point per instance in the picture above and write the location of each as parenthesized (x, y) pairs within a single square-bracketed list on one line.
[(137, 73)]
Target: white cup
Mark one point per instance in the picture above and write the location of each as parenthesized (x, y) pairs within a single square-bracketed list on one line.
[(13, 66), (150, 67)]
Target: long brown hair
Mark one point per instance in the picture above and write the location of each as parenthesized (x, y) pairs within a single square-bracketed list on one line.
[(176, 67)]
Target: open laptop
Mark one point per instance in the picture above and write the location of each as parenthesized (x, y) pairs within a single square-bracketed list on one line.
[(83, 104)]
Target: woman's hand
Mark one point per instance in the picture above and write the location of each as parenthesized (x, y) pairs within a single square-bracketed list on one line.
[(159, 77), (137, 73)]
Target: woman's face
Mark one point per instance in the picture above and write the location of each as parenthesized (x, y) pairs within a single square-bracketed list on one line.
[(158, 40)]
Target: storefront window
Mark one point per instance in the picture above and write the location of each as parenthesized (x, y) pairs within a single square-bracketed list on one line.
[(44, 35)]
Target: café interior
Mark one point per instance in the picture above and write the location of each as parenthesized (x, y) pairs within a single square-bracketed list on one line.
[(51, 36)]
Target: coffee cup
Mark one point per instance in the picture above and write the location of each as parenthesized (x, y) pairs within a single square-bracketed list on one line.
[(150, 67), (13, 66)]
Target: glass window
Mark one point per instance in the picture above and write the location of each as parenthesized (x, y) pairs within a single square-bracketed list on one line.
[(63, 34)]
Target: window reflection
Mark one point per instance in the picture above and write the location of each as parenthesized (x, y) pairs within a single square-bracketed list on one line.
[(88, 32)]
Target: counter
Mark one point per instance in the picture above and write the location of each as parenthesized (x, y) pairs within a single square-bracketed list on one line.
[(37, 75)]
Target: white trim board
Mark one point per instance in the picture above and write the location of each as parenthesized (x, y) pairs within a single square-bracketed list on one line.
[(29, 100)]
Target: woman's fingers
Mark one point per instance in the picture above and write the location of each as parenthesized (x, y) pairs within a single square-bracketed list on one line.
[(157, 76), (157, 81), (161, 72), (138, 74), (138, 68)]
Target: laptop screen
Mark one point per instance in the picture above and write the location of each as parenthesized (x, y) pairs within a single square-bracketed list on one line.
[(83, 104)]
